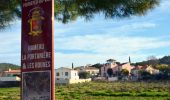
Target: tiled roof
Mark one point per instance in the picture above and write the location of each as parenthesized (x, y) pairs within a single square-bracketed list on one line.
[(64, 68), (139, 68), (13, 71)]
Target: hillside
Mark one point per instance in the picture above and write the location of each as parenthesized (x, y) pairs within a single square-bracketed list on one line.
[(163, 60), (8, 65)]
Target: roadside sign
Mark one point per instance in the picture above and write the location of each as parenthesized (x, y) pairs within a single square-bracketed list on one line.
[(37, 50)]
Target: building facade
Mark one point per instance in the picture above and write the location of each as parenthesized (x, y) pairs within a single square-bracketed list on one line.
[(116, 68), (91, 70)]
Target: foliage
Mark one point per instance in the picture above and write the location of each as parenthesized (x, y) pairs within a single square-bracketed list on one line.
[(145, 75), (70, 10), (165, 60), (84, 75), (124, 72), (98, 65), (5, 66), (153, 61), (10, 93), (103, 91), (9, 11), (110, 60)]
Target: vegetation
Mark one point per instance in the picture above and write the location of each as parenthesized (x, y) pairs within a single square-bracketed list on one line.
[(145, 75), (151, 60), (10, 93), (124, 72), (5, 66), (10, 10), (69, 10), (84, 75), (165, 60), (98, 65), (103, 91)]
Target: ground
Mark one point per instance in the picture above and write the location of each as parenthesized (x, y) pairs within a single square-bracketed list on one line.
[(103, 91)]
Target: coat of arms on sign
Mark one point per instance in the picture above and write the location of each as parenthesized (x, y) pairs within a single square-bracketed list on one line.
[(35, 21)]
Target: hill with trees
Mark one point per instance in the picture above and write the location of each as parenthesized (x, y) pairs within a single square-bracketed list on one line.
[(5, 66), (152, 60)]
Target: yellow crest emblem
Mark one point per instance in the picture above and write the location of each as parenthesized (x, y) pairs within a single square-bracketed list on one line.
[(35, 21)]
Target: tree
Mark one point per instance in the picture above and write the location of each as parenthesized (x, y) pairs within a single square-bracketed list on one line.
[(110, 72), (145, 75), (9, 11), (153, 61), (70, 10), (165, 60), (98, 65), (84, 75), (164, 68), (124, 72)]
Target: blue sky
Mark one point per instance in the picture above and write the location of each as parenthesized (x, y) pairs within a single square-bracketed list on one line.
[(89, 42)]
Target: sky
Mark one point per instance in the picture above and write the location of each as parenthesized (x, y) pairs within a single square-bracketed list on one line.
[(90, 42)]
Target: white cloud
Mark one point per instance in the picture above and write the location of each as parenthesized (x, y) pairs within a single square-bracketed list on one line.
[(130, 28), (165, 5), (105, 47), (10, 42), (108, 43)]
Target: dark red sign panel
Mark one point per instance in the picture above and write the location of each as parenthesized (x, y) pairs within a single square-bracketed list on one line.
[(37, 52)]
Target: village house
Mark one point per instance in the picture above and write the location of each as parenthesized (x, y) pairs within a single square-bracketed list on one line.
[(111, 64), (11, 72), (10, 75), (65, 75), (91, 70), (135, 72)]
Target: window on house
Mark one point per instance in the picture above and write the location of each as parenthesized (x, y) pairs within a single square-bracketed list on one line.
[(57, 74), (66, 73)]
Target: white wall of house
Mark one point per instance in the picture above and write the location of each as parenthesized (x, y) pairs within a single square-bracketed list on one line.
[(65, 75), (9, 79), (74, 74), (152, 70)]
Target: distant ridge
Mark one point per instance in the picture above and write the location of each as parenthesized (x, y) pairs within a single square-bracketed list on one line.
[(5, 66)]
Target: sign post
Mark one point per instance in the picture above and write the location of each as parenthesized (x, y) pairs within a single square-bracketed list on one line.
[(37, 51)]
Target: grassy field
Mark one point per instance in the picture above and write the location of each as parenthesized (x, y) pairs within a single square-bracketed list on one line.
[(103, 91)]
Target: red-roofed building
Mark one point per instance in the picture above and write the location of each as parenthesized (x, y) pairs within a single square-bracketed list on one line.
[(136, 71), (11, 72), (10, 75), (115, 68)]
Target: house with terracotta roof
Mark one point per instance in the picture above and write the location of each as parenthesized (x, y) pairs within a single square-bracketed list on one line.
[(91, 70), (135, 72), (11, 72), (66, 75), (111, 64), (10, 75)]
